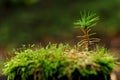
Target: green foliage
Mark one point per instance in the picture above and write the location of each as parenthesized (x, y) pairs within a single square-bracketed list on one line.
[(26, 62), (56, 61), (87, 19), (105, 59)]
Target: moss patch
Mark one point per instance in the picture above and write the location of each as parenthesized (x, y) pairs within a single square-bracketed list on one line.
[(59, 61)]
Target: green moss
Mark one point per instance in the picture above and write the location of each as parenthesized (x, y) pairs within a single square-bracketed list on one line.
[(57, 61)]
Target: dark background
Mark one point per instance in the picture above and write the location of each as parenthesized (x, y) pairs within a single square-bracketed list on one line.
[(43, 21)]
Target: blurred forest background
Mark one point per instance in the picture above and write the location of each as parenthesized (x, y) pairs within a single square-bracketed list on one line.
[(43, 21)]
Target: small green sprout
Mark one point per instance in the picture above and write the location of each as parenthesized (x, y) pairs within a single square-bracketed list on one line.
[(87, 20)]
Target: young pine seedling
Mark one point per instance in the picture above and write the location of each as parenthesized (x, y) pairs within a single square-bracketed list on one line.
[(87, 20)]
